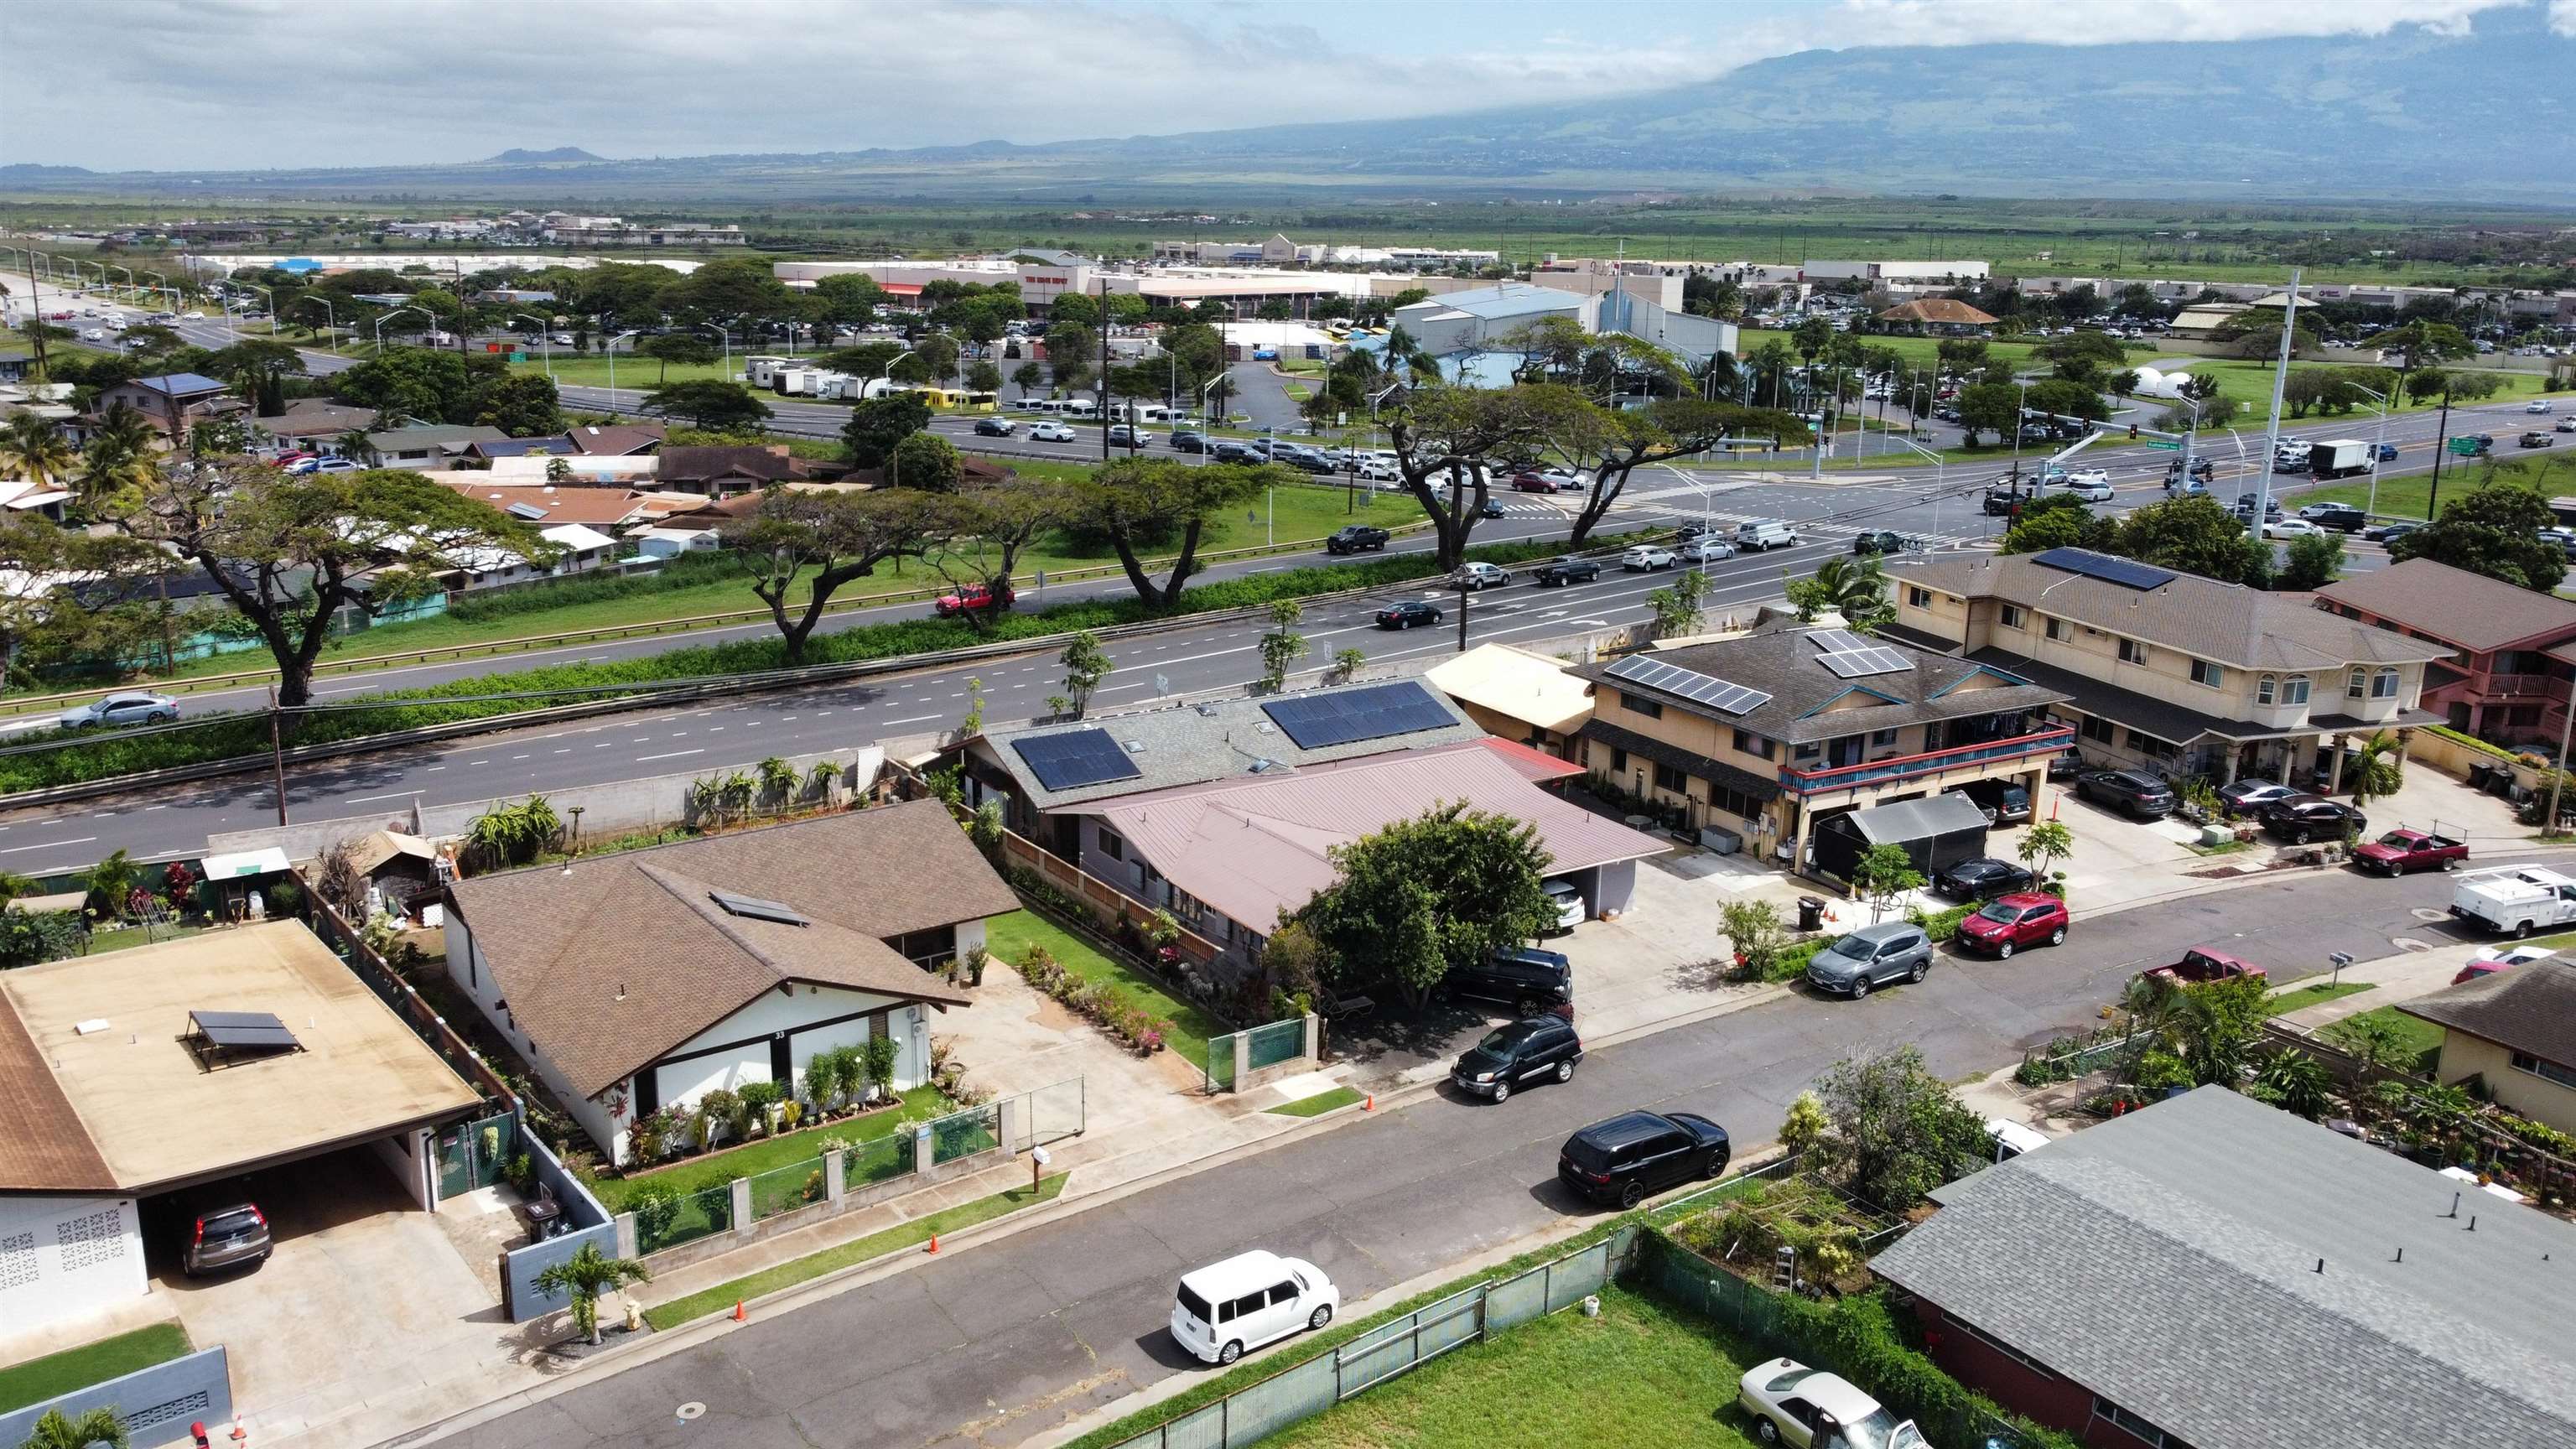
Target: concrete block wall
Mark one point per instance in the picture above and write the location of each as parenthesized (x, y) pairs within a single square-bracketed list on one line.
[(157, 1403)]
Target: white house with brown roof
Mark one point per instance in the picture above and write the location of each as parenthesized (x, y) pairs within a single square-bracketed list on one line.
[(647, 979)]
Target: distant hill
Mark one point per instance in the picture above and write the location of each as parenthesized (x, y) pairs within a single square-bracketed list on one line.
[(2414, 115), (517, 157)]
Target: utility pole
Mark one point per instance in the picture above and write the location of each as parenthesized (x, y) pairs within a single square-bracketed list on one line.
[(2441, 445), (2272, 429), (276, 755)]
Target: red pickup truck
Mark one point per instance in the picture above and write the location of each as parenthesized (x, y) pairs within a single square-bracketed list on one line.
[(2400, 851), (2204, 964)]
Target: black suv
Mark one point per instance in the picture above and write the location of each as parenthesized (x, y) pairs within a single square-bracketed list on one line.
[(2126, 791), (1524, 978), (2000, 502), (1566, 571), (1230, 451), (1520, 1053), (2300, 821), (1185, 441), (1883, 540), (1355, 538), (1633, 1154), (2341, 517), (1981, 879), (2003, 802)]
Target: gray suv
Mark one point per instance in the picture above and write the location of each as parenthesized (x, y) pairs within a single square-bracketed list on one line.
[(227, 1237), (1871, 956)]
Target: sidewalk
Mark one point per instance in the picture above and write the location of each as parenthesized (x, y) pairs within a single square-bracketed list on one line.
[(2391, 979)]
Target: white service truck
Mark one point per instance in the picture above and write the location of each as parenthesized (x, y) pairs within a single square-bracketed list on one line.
[(2339, 458), (2515, 899)]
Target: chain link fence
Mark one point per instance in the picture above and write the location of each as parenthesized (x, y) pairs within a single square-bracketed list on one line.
[(664, 1224), (1264, 1046), (784, 1189), (880, 1160), (963, 1134)]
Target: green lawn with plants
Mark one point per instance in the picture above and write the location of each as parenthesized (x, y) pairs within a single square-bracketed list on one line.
[(1318, 1104), (724, 1296), (2245, 387), (1009, 937), (1645, 1372), (2412, 496), (39, 1379), (787, 1149), (2299, 998), (2419, 1041)]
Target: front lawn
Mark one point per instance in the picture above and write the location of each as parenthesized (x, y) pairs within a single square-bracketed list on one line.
[(790, 1149), (1645, 1372), (2419, 1041), (2412, 496), (56, 1374), (1009, 937), (2301, 997), (1318, 1104)]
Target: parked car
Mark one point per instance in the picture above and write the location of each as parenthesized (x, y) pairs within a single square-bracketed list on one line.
[(2252, 795), (1871, 956), (2403, 850), (972, 598), (1645, 557), (1704, 550), (1528, 980), (2341, 517), (2204, 964), (1981, 879), (2141, 796), (1878, 540), (2066, 764), (2488, 963), (1570, 910), (2300, 821), (1407, 614), (1518, 1054), (127, 707), (339, 465), (1624, 1159), (1474, 577), (1050, 433), (1356, 538), (995, 427), (1566, 571), (1764, 534), (1249, 1300), (1791, 1403), (227, 1236), (2003, 802), (2009, 922)]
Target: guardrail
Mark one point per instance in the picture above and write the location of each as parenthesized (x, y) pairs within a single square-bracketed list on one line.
[(1840, 777)]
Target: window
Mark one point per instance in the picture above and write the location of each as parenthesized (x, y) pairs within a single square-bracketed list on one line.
[(1733, 801), (2205, 673), (2543, 1069), (2132, 651), (1809, 751), (2139, 1428), (1111, 846), (1917, 598), (2014, 618), (1753, 744), (1282, 1294), (2383, 685), (2356, 684), (1668, 778), (2056, 628), (1881, 737), (2267, 688), (2294, 689), (2150, 746), (926, 948), (2095, 728), (1638, 704), (1618, 762)]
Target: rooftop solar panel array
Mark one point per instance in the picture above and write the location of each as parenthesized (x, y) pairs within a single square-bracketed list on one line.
[(1076, 759), (2106, 568), (1348, 716), (1690, 684), (243, 1030)]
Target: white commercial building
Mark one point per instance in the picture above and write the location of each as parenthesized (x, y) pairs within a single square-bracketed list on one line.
[(1461, 323)]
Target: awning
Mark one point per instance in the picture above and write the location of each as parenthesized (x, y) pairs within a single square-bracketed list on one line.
[(267, 861)]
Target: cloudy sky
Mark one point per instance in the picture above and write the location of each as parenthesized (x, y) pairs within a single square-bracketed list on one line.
[(230, 84)]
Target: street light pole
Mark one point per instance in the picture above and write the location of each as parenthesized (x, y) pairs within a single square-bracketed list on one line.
[(330, 322), (388, 317), (611, 350), (545, 339), (2378, 441)]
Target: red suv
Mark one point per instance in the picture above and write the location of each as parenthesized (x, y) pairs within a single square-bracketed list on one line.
[(1528, 481), (974, 597), (2008, 923)]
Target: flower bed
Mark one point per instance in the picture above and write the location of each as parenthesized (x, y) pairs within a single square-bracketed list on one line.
[(1184, 1027), (1096, 1002)]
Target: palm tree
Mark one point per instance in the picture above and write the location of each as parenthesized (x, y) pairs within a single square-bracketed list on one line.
[(98, 1426), (1854, 586), (35, 449), (585, 1275), (353, 445), (14, 886), (2373, 771)]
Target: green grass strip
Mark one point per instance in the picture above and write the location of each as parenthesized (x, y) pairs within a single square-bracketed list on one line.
[(2306, 996), (56, 1374), (1318, 1104), (724, 1296)]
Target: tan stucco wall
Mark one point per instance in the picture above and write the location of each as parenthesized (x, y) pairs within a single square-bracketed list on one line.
[(2519, 1092)]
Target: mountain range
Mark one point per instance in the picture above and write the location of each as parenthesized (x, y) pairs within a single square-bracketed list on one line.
[(2415, 114)]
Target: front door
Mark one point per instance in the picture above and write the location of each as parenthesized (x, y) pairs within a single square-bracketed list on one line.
[(782, 1068), (1844, 751)]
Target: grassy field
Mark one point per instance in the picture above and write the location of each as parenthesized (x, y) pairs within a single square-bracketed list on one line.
[(1009, 938), (2299, 998), (920, 1104), (1644, 1372), (39, 1379), (2412, 496), (2246, 389)]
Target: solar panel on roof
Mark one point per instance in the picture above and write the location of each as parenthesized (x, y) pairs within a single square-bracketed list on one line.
[(1076, 759), (1347, 716), (1835, 641), (1864, 661), (2106, 568), (753, 908), (1690, 684), (243, 1030)]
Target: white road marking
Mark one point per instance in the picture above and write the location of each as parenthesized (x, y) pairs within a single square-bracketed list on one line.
[(916, 719), (49, 844), (396, 795), (673, 755)]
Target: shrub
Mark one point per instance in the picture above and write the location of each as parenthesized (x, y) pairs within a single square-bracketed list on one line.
[(656, 1206)]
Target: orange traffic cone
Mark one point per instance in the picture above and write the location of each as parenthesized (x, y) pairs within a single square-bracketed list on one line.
[(239, 1434), (934, 1242), (1369, 1102), (738, 1315)]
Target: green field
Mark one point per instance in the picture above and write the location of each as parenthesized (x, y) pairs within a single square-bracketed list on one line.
[(1009, 938), (2411, 496), (56, 1374), (2299, 998)]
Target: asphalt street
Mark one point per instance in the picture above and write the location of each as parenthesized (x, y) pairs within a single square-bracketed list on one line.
[(990, 1344)]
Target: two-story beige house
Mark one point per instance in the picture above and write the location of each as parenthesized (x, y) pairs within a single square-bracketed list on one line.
[(2171, 671), (1768, 732)]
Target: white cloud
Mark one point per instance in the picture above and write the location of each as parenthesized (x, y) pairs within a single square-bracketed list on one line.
[(189, 84)]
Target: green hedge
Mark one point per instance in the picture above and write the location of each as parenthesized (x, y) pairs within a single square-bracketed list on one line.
[(1860, 1339), (1791, 963), (2470, 741), (1944, 925), (227, 737)]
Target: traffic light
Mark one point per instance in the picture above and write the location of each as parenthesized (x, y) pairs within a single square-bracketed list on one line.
[(2133, 431)]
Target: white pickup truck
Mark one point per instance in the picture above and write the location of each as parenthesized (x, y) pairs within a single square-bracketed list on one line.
[(2515, 899)]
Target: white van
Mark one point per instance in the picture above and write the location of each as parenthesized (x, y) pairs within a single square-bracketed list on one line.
[(1764, 534), (1249, 1300)]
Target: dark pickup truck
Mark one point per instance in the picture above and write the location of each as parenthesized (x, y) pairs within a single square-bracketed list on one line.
[(2203, 964), (1357, 537), (1566, 571), (2400, 851)]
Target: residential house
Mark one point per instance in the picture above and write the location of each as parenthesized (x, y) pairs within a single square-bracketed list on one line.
[(1936, 317), (1768, 732), (578, 549), (715, 469), (424, 446), (2172, 671), (646, 979), (621, 440), (2511, 1037), (45, 500), (315, 423), (2214, 1273), (189, 395), (1229, 856), (135, 1076), (14, 365), (606, 509), (2514, 648), (1518, 694)]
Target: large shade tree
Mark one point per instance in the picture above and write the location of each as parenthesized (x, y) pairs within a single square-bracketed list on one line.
[(1423, 897), (1613, 445), (1134, 502), (1447, 438), (802, 548)]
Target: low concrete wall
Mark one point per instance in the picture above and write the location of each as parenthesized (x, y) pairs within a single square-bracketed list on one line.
[(157, 1403), (521, 1298), (713, 1245)]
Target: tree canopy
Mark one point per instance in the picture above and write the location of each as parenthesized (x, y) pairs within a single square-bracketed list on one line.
[(822, 541), (1423, 897), (2492, 529), (717, 406), (1133, 501), (877, 424)]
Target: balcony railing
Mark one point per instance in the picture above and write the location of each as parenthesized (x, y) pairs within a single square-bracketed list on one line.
[(1844, 777), (2519, 686)]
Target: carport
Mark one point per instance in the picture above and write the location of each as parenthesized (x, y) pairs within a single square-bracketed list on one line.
[(1935, 832)]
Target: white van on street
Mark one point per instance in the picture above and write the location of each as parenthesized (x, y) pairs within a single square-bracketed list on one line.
[(1250, 1299)]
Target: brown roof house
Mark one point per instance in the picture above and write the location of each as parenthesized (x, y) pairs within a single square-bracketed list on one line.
[(2509, 681), (645, 980), (2512, 1033), (1936, 316), (716, 469)]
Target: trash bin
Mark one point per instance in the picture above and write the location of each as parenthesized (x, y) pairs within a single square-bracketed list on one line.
[(2478, 773), (1811, 913)]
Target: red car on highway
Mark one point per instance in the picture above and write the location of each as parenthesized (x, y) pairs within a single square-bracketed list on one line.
[(2008, 923), (974, 598)]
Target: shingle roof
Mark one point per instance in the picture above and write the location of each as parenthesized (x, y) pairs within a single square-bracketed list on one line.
[(1948, 311), (2226, 623), (619, 439), (2531, 1008), (45, 1149), (1783, 662), (2168, 1260), (2468, 609), (562, 946), (422, 435), (709, 460), (1254, 847), (1187, 745)]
